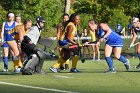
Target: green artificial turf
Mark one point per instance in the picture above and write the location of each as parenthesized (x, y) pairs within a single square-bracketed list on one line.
[(92, 78)]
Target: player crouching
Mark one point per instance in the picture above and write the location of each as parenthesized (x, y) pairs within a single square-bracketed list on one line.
[(35, 55)]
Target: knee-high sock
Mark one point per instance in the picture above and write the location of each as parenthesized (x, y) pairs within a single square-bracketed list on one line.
[(138, 55), (66, 62), (5, 60), (17, 62), (61, 63), (74, 61), (20, 63), (59, 56), (110, 63), (123, 59), (60, 60)]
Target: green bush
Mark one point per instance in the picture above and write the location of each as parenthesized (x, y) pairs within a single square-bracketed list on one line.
[(2, 15), (84, 21), (109, 11), (118, 17)]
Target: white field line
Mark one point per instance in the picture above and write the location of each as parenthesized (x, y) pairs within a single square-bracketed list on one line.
[(62, 76), (40, 88)]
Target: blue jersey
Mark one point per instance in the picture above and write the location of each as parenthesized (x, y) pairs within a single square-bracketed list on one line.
[(100, 32), (113, 39), (7, 28)]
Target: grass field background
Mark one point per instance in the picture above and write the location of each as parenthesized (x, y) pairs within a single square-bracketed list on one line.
[(92, 78)]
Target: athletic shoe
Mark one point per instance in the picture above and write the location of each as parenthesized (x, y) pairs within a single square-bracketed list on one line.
[(98, 59), (93, 59), (5, 70), (66, 66), (83, 60), (17, 70), (127, 65), (110, 71), (138, 66), (53, 69), (74, 70)]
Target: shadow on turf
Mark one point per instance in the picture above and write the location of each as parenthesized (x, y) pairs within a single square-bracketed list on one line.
[(103, 71), (129, 71), (92, 71), (7, 73), (95, 71), (81, 71)]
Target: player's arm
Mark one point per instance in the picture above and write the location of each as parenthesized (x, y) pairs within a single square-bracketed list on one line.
[(133, 36), (21, 34), (106, 28), (2, 32), (59, 29), (69, 34)]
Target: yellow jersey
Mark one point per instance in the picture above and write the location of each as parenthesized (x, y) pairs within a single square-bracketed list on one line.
[(63, 33), (93, 36), (14, 32)]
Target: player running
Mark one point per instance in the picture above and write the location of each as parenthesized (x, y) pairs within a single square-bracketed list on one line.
[(135, 31), (113, 43), (66, 39), (6, 27), (60, 28)]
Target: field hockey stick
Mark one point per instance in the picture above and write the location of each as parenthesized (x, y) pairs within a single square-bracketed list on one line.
[(54, 50), (79, 49), (90, 43), (132, 46)]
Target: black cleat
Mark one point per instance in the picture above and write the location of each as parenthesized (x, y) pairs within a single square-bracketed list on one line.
[(61, 68), (66, 66), (138, 66), (74, 70), (83, 60)]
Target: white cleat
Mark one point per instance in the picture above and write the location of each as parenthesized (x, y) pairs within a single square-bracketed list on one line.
[(5, 70), (17, 70), (127, 65)]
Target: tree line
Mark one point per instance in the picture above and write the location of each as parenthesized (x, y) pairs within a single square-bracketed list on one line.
[(109, 11)]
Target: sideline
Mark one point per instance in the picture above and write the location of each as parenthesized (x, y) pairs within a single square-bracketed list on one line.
[(40, 88)]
